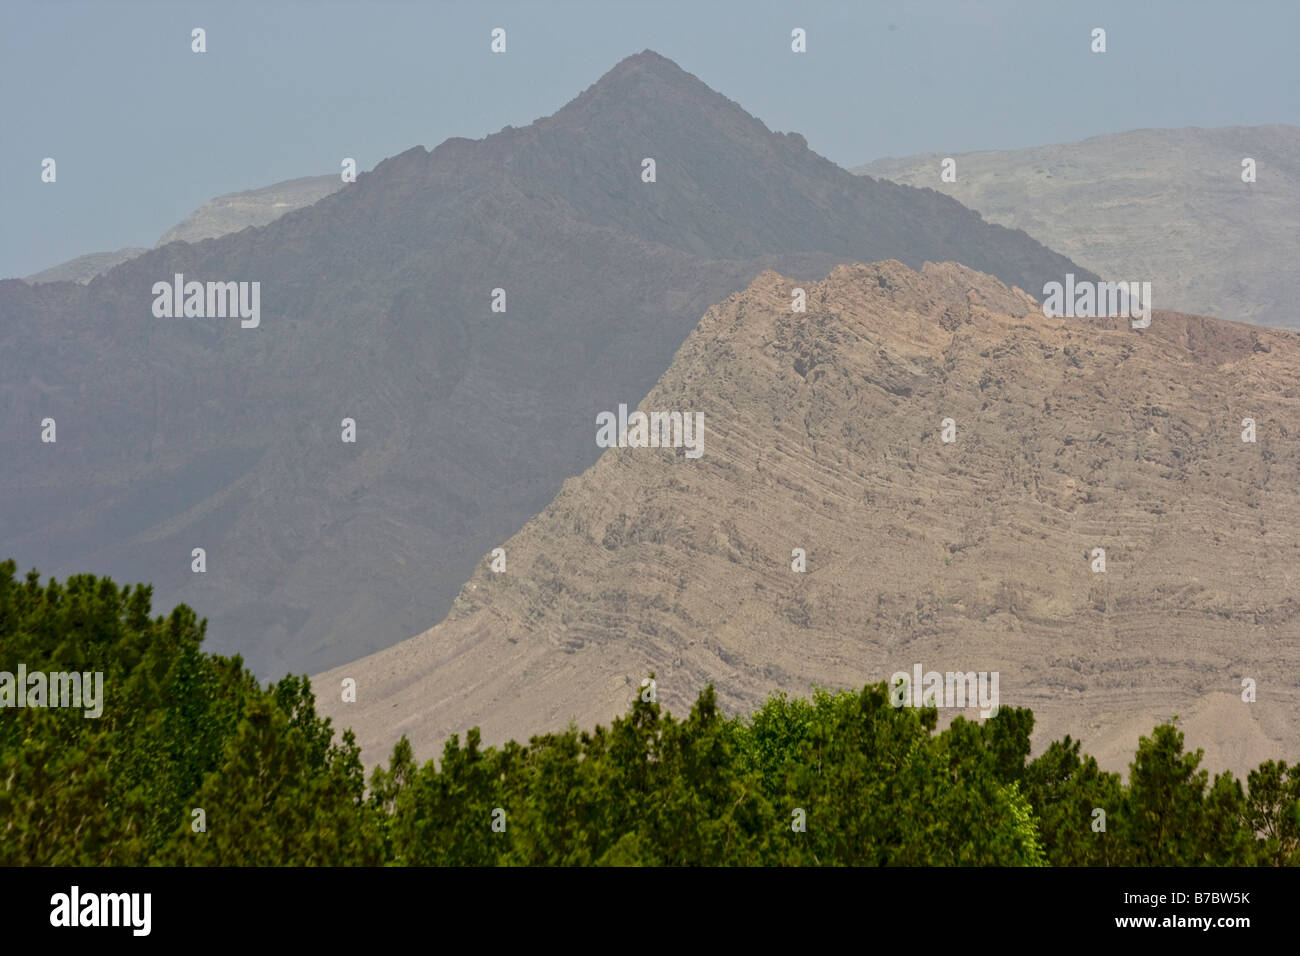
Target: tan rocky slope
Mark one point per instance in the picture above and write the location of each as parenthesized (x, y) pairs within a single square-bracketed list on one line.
[(822, 432)]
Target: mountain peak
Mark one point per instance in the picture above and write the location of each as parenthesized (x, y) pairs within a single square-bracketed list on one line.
[(646, 80), (610, 268), (647, 61)]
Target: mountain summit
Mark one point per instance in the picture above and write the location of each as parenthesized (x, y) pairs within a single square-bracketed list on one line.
[(376, 306)]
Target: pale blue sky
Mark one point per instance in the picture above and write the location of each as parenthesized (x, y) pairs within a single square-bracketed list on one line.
[(144, 131)]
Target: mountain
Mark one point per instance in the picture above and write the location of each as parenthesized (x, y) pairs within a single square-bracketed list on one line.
[(84, 268), (1165, 205), (823, 432), (225, 214), (254, 207), (375, 306)]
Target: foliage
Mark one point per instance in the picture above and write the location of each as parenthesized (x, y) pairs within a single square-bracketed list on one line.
[(843, 778), (179, 730)]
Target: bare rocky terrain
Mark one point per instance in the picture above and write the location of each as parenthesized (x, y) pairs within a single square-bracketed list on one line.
[(823, 433), (1165, 205)]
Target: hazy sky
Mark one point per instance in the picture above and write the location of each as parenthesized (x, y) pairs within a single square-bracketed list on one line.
[(144, 131)]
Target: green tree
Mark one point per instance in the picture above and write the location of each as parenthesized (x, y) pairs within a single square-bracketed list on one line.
[(1065, 790), (1170, 820), (1273, 812)]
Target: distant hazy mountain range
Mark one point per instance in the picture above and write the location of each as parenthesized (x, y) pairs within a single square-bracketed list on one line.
[(376, 305), (1168, 206), (225, 214), (824, 432)]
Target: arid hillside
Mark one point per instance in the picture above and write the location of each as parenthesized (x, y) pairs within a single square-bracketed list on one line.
[(823, 433)]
